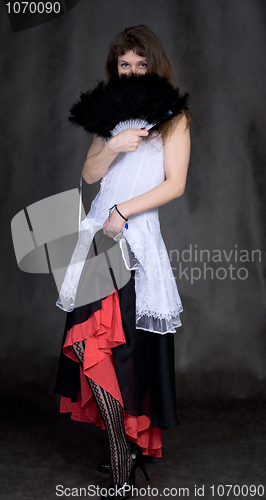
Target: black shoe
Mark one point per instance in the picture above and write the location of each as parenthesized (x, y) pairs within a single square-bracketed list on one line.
[(105, 467), (137, 455), (123, 491)]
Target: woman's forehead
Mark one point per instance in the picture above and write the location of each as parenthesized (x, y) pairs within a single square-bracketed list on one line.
[(131, 54)]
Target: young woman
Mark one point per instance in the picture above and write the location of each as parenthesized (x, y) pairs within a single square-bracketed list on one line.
[(117, 363)]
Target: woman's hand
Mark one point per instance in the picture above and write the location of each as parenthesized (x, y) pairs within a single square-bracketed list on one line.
[(127, 141), (115, 223)]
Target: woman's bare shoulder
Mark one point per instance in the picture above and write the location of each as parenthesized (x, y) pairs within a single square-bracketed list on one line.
[(178, 128), (180, 123)]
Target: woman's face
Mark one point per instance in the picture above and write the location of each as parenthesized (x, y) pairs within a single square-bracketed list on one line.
[(130, 63)]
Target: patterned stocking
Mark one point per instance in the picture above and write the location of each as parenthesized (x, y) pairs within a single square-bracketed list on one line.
[(112, 415)]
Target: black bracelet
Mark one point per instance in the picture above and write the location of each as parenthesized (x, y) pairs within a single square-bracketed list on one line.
[(115, 206)]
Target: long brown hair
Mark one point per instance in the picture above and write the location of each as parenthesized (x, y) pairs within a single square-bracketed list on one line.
[(143, 41)]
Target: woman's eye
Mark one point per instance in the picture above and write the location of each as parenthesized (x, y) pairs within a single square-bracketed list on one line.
[(143, 65), (125, 65)]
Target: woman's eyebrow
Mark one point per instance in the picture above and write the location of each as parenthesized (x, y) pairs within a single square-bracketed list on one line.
[(144, 59)]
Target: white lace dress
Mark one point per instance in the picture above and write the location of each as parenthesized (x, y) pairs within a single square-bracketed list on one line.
[(158, 304)]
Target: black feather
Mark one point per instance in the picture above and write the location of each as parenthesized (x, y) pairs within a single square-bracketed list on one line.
[(148, 97)]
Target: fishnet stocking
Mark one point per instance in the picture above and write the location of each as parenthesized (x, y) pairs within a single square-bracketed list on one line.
[(112, 415)]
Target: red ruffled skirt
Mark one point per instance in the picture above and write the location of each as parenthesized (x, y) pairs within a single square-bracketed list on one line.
[(103, 331)]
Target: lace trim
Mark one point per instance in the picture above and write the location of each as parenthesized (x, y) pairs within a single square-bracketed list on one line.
[(155, 315), (101, 206), (161, 326), (105, 194), (68, 291), (132, 245), (136, 242)]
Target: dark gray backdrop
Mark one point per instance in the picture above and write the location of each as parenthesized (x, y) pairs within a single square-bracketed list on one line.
[(217, 47)]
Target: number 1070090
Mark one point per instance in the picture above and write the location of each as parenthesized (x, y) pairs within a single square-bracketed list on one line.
[(33, 7)]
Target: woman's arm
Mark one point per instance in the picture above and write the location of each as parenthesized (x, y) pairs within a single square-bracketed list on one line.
[(176, 160), (101, 155), (98, 159)]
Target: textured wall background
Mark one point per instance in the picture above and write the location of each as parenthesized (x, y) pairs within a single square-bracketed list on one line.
[(218, 49)]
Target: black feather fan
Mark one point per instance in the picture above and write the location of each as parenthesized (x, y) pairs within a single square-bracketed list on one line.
[(145, 97)]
